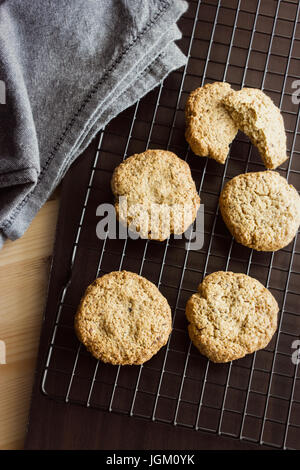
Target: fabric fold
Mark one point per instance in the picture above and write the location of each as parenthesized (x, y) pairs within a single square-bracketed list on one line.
[(72, 67)]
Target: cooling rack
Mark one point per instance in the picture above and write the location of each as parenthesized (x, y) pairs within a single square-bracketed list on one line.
[(257, 398)]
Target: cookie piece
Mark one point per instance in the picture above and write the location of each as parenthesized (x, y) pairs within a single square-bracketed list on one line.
[(261, 210), (258, 117), (209, 127), (155, 194), (123, 319), (230, 316)]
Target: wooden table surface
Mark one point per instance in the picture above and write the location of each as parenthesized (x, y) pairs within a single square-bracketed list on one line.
[(24, 272)]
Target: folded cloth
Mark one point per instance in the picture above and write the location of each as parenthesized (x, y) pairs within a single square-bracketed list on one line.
[(67, 67)]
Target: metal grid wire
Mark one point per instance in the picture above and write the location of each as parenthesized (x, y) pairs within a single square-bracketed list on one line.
[(256, 398)]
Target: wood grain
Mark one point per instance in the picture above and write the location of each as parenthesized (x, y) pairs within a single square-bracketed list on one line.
[(24, 271)]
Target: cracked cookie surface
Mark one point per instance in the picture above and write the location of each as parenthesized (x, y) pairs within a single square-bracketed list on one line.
[(261, 210), (155, 194), (123, 319), (230, 316), (209, 127), (258, 117)]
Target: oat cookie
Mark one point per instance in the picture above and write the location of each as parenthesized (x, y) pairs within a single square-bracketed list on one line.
[(155, 194), (209, 127), (261, 210), (230, 316), (258, 117), (123, 319)]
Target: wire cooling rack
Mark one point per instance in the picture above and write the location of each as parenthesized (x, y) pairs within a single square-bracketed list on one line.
[(256, 398)]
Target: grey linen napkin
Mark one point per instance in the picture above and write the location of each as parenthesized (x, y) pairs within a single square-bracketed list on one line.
[(67, 67)]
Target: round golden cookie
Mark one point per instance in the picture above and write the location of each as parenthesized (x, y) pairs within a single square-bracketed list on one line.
[(123, 319), (230, 316), (209, 127), (261, 210), (155, 194)]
